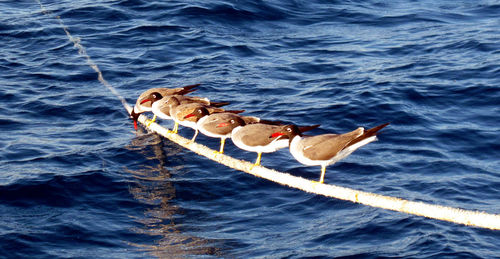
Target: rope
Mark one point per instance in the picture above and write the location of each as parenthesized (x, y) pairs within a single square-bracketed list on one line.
[(455, 215), (83, 52), (460, 216)]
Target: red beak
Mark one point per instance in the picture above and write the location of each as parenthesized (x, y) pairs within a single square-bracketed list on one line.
[(220, 125), (135, 124), (145, 100), (189, 115), (277, 134)]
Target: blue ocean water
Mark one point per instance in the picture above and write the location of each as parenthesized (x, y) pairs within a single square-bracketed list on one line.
[(76, 181)]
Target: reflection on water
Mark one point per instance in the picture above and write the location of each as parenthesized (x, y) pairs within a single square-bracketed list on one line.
[(154, 188)]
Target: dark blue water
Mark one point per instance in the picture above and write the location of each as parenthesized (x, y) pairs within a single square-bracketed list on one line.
[(77, 182)]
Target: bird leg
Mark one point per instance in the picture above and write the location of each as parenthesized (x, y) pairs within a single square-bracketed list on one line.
[(257, 162), (194, 137), (174, 130), (322, 177), (221, 149)]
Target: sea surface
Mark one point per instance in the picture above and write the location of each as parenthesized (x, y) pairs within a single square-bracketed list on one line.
[(77, 181)]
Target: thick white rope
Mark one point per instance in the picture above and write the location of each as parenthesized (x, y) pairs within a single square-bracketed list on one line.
[(460, 216), (466, 217)]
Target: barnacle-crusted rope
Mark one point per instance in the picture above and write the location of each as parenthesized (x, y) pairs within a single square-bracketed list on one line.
[(460, 216)]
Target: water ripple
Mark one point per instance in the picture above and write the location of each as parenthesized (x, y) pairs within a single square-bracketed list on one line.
[(77, 181)]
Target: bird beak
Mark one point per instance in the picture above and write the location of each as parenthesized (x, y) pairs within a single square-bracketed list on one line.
[(220, 125), (189, 115), (276, 134), (134, 116), (145, 100)]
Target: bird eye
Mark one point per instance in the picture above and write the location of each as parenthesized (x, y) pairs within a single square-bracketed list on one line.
[(289, 130), (232, 121)]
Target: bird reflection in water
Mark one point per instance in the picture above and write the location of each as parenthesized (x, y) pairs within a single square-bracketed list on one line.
[(155, 189)]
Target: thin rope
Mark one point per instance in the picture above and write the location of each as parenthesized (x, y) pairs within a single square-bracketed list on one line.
[(455, 215), (81, 50)]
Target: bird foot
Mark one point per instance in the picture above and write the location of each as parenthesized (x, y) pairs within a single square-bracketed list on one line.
[(254, 165), (217, 153), (314, 184), (317, 182)]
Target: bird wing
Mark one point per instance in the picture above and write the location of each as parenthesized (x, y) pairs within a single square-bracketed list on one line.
[(257, 134), (250, 119), (212, 121), (327, 146), (192, 99)]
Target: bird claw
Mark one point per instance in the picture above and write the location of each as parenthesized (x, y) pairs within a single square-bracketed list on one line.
[(217, 153), (316, 182), (254, 165)]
